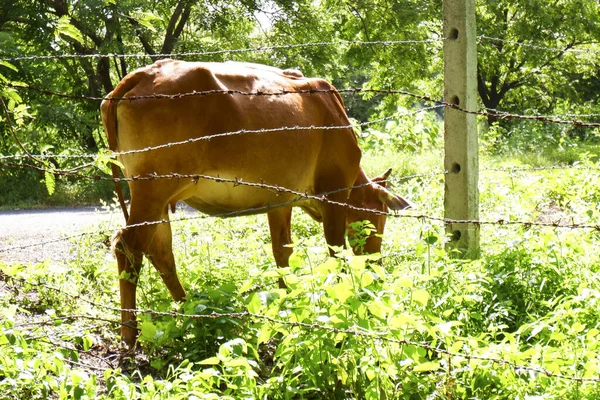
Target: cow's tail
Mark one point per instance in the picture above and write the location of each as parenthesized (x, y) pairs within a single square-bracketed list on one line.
[(109, 120)]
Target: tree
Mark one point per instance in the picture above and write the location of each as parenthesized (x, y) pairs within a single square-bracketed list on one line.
[(526, 59), (89, 29)]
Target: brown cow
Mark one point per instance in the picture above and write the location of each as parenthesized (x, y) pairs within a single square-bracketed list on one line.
[(312, 161)]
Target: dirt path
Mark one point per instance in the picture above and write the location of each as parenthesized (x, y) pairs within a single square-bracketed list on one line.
[(35, 235)]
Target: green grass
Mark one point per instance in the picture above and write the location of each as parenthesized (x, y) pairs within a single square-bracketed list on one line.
[(414, 323)]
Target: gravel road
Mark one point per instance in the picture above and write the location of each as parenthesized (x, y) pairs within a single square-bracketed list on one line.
[(23, 232)]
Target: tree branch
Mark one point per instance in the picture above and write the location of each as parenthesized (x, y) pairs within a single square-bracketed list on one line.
[(138, 31), (176, 24)]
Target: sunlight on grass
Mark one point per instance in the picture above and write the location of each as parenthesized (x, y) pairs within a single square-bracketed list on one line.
[(357, 326)]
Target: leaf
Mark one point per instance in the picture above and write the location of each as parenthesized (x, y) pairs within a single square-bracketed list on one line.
[(591, 369), (88, 342), (341, 291), (552, 367), (246, 285), (254, 304), (537, 329), (377, 309), (426, 367), (265, 333), (145, 18), (577, 327), (403, 319), (291, 280), (457, 346), (50, 181), (157, 363), (8, 65), (420, 296), (404, 282), (65, 28), (558, 336), (11, 95), (366, 279), (378, 269), (296, 261), (237, 346), (210, 361), (357, 263), (148, 330), (431, 239)]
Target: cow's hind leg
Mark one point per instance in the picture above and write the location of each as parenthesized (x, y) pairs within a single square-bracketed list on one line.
[(279, 224), (130, 264), (160, 253), (147, 233)]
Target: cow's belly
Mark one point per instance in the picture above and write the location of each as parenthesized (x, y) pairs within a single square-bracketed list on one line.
[(228, 199)]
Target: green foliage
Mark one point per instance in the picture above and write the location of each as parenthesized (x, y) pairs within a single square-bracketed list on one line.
[(411, 323), (544, 63), (411, 133)]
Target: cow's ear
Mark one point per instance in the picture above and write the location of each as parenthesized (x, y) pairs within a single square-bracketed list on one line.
[(393, 201), (381, 180)]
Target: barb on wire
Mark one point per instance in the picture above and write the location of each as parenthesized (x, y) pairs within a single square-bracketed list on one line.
[(556, 116), (537, 47), (233, 51), (541, 168), (46, 156), (50, 241)]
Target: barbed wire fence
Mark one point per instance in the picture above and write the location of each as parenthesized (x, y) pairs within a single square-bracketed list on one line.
[(383, 336), (15, 161)]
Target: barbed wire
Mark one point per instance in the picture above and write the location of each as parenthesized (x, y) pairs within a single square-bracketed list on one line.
[(260, 209), (272, 130), (538, 47), (51, 241), (199, 93), (298, 197), (482, 112), (46, 156), (392, 179), (356, 330), (233, 133), (231, 51), (512, 169), (12, 58), (557, 116), (277, 189)]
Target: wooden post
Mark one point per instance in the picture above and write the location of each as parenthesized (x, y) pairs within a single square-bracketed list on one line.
[(461, 196)]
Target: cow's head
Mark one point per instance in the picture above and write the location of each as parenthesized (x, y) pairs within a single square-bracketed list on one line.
[(374, 196)]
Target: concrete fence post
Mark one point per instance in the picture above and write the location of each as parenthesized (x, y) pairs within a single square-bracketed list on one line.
[(461, 161)]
